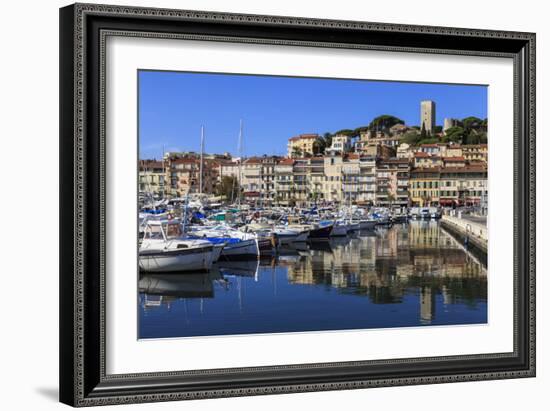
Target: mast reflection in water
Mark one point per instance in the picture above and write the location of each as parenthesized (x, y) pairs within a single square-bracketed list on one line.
[(408, 275)]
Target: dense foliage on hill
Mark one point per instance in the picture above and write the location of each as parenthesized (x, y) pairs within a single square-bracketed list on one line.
[(470, 130)]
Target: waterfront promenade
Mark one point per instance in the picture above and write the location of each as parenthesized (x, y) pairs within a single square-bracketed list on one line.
[(472, 230)]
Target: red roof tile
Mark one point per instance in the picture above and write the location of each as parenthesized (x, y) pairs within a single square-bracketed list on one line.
[(421, 154)]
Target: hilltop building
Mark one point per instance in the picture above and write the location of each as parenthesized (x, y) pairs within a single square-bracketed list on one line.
[(427, 116), (301, 145)]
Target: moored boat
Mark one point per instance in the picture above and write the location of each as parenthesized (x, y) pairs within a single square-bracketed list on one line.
[(321, 233), (235, 247), (163, 249), (367, 224), (339, 230)]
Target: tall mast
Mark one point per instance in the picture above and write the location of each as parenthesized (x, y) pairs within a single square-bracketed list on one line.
[(240, 149), (164, 173), (202, 156)]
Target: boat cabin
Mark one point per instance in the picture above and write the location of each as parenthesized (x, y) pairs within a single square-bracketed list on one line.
[(163, 230)]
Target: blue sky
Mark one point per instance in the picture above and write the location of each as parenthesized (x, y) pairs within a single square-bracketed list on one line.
[(174, 105)]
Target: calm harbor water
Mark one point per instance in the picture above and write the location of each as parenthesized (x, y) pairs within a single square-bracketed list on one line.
[(409, 275)]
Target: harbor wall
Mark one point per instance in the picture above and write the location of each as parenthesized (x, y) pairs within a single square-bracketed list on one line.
[(469, 233)]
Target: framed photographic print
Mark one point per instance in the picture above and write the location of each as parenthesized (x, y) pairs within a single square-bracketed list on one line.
[(261, 204)]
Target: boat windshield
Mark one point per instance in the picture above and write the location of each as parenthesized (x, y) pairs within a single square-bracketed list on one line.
[(153, 232), (173, 231)]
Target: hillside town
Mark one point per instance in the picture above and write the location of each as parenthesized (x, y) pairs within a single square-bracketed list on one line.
[(384, 164), (383, 213)]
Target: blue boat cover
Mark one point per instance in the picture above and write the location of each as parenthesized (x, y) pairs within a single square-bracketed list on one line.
[(218, 240)]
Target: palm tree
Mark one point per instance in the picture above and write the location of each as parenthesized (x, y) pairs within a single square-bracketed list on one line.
[(297, 152)]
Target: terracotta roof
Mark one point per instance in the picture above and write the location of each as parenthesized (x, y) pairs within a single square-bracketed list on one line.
[(253, 160), (304, 137), (228, 163), (421, 154), (286, 162), (456, 158), (150, 164)]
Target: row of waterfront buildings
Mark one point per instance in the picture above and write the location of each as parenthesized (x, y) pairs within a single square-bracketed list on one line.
[(374, 173)]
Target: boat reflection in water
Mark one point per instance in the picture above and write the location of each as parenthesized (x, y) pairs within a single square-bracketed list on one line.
[(406, 275)]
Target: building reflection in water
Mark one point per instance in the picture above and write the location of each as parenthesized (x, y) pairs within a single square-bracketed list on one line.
[(389, 263), (417, 266)]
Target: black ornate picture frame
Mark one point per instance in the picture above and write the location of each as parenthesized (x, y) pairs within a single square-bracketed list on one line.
[(83, 30)]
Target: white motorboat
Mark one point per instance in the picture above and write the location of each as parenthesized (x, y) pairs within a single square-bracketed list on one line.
[(164, 249), (287, 235), (236, 248), (237, 244)]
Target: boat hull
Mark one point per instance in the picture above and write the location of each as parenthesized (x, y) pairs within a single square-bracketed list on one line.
[(217, 252), (177, 260), (367, 225), (320, 233), (400, 219), (301, 237), (241, 249), (339, 231), (283, 239), (265, 246)]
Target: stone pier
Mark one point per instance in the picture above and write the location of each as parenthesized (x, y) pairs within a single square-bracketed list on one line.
[(470, 233)]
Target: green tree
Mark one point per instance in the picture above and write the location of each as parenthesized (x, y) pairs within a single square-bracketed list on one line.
[(346, 132), (472, 123), (483, 137), (428, 140), (473, 138), (485, 124), (411, 137), (360, 130), (423, 133), (327, 138), (296, 152), (384, 122), (320, 145), (455, 134), (228, 187)]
